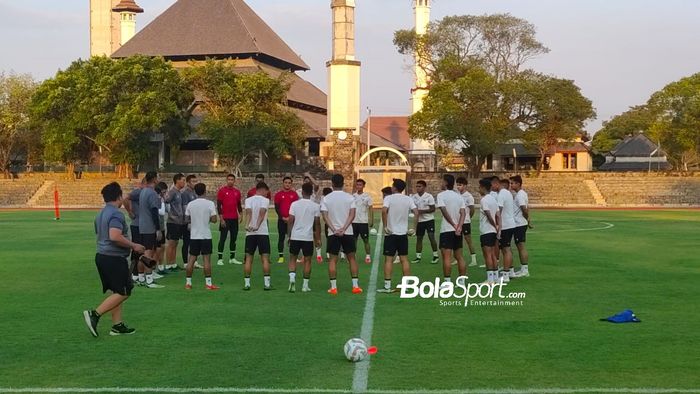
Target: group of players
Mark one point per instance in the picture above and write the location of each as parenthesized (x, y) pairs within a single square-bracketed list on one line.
[(162, 216)]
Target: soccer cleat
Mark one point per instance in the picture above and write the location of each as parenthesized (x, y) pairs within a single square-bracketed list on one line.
[(280, 260), (156, 275), (521, 274), (435, 260), (268, 288), (91, 319), (220, 262), (482, 265), (212, 287), (153, 285), (356, 290), (188, 287), (141, 283), (333, 291), (121, 329), (319, 259), (385, 290), (305, 289), (415, 261), (472, 264), (234, 261), (162, 272), (504, 278), (368, 259), (292, 287), (196, 265), (454, 262), (246, 288)]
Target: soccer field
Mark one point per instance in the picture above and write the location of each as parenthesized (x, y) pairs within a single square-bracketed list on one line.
[(585, 265)]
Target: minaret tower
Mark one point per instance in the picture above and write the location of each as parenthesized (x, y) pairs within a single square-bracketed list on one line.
[(105, 34), (420, 91), (127, 10), (344, 90)]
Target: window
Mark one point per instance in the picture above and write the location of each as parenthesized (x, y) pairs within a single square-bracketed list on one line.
[(569, 161)]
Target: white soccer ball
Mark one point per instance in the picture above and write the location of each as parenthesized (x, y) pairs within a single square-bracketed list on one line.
[(355, 350), (373, 231)]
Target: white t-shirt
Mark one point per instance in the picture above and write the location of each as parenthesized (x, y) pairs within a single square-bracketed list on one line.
[(488, 203), (468, 202), (255, 204), (338, 205), (200, 212), (505, 200), (521, 200), (397, 218), (363, 203), (305, 213), (453, 204), (424, 202), (493, 194)]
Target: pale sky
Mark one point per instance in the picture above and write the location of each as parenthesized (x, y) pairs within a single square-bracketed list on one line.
[(617, 51)]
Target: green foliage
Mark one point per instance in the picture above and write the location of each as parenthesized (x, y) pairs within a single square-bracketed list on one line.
[(115, 104), (16, 135), (244, 112), (555, 111)]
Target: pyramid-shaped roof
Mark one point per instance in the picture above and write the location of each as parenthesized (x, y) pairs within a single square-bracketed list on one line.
[(196, 29)]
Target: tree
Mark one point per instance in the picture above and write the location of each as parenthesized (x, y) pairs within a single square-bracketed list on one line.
[(244, 112), (119, 105), (500, 43), (15, 131), (676, 122), (636, 119), (556, 111), (474, 66)]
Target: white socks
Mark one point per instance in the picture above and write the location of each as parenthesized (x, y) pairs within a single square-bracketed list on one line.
[(333, 284), (267, 280), (208, 280), (306, 283), (355, 282), (473, 258), (149, 279), (246, 281), (292, 276), (419, 255), (188, 281), (387, 284)]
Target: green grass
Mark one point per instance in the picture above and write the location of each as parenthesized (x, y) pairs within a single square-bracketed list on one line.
[(231, 338)]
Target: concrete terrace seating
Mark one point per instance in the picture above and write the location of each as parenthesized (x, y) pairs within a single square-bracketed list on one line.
[(81, 193), (561, 190), (640, 190), (15, 193)]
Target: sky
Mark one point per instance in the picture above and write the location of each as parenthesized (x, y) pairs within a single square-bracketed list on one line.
[(618, 51)]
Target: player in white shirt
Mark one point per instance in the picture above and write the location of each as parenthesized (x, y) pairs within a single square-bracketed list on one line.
[(469, 207), (395, 219), (425, 202), (522, 223), (257, 236), (489, 228), (304, 231), (495, 187), (338, 211), (364, 217), (454, 213), (199, 214), (506, 206)]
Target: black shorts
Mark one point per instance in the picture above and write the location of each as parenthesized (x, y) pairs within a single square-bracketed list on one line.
[(135, 235), (335, 243), (488, 239), (261, 243), (176, 231), (396, 244), (305, 247), (149, 241), (466, 229), (427, 226), (506, 237), (360, 230), (200, 247), (520, 234), (114, 274), (450, 241)]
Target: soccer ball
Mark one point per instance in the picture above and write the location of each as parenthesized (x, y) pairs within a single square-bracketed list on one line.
[(355, 350), (373, 231)]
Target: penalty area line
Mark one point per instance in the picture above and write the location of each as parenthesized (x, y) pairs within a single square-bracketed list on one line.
[(361, 375)]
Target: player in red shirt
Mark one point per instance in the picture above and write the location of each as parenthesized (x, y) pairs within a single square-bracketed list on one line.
[(228, 204), (259, 178), (283, 201)]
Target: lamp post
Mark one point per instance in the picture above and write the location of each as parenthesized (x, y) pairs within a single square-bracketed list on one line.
[(369, 133)]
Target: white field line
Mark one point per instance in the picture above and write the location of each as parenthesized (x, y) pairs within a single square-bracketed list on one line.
[(548, 390), (605, 226), (361, 375)]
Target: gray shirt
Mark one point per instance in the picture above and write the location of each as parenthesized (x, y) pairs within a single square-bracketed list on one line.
[(134, 198), (148, 200), (177, 208), (188, 195), (110, 217)]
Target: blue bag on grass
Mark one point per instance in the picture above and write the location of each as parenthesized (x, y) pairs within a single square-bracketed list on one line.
[(626, 316)]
